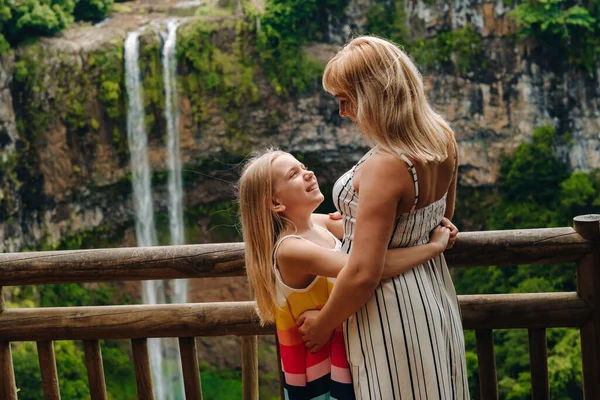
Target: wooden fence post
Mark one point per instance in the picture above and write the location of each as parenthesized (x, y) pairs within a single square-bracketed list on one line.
[(588, 288), (250, 367)]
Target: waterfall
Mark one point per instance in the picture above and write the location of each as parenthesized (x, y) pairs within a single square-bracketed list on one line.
[(145, 232), (173, 372), (173, 156)]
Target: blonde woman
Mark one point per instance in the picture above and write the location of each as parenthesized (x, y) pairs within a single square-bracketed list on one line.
[(290, 252), (403, 335)]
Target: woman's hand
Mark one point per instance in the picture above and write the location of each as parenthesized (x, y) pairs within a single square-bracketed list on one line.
[(440, 237), (313, 334), (446, 223), (335, 215)]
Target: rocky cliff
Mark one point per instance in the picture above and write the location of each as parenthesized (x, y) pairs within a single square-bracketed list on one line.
[(63, 142)]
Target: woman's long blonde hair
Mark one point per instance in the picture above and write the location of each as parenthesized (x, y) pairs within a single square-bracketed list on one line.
[(386, 89), (261, 228)]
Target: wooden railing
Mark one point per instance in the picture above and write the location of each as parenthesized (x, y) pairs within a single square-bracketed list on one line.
[(481, 313)]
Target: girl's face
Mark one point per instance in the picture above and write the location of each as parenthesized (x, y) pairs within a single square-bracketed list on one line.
[(347, 109), (295, 187)]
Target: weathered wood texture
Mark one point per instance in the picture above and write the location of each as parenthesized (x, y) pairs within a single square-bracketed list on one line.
[(48, 369), (499, 311), (526, 246), (249, 368), (526, 310), (538, 361), (588, 288), (2, 305), (486, 361), (227, 259), (95, 370), (135, 263), (143, 374), (138, 321), (8, 387), (279, 369), (190, 368)]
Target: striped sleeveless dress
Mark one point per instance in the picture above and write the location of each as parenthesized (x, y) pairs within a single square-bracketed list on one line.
[(407, 341), (319, 376)]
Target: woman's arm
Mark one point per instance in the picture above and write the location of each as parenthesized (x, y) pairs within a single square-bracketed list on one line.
[(381, 189), (316, 260), (451, 197)]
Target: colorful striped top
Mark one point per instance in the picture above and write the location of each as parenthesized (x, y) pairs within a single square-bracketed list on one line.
[(322, 375)]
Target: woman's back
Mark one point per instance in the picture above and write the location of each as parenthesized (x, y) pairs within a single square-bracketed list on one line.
[(431, 182)]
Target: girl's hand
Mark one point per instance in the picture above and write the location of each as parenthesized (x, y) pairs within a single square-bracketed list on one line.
[(439, 238), (313, 335), (453, 232)]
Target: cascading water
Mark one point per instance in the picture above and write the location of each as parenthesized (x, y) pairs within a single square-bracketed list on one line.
[(173, 157), (145, 232), (173, 373)]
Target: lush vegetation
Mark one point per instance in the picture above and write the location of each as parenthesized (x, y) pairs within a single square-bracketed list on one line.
[(284, 28), (459, 50), (23, 20), (565, 27), (535, 189)]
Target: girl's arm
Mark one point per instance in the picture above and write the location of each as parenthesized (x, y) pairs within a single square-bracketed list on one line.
[(334, 225), (316, 260)]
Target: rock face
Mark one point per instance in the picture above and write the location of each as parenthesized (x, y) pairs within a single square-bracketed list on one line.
[(68, 172)]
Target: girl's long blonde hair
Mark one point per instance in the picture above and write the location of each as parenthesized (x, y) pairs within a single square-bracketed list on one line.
[(261, 228), (385, 87)]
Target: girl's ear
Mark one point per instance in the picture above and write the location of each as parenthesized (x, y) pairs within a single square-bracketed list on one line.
[(278, 207)]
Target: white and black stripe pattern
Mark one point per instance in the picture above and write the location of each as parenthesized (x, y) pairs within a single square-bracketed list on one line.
[(407, 341)]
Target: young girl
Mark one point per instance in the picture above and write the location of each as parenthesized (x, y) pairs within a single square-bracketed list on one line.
[(290, 254)]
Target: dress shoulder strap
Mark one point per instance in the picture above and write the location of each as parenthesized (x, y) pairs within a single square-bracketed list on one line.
[(413, 173)]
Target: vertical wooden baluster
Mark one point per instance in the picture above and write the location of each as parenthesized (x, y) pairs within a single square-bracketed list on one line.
[(280, 370), (487, 364), (250, 367), (143, 375), (538, 360), (48, 370), (191, 370), (588, 288), (95, 370), (2, 305), (8, 387)]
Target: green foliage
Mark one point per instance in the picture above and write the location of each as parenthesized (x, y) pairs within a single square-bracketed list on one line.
[(388, 19), (535, 190), (284, 28), (220, 384), (152, 85), (463, 48), (32, 18), (563, 25), (92, 10), (214, 77), (27, 19)]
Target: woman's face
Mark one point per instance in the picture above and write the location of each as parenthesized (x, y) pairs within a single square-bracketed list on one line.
[(347, 109), (295, 186)]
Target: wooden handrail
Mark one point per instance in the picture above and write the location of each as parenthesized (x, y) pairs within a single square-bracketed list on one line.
[(527, 246), (239, 318), (483, 313)]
